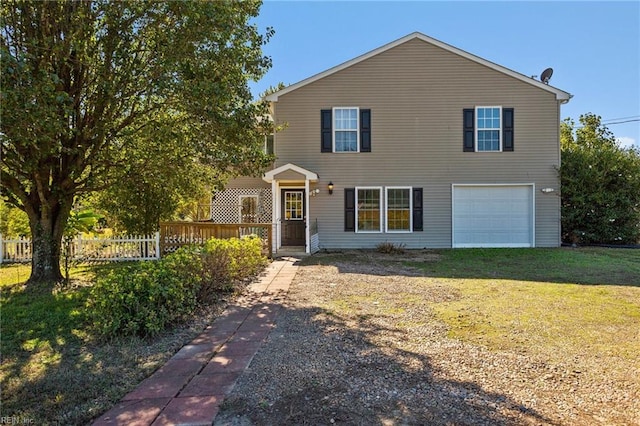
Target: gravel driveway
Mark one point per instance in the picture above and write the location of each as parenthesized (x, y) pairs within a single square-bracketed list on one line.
[(347, 350)]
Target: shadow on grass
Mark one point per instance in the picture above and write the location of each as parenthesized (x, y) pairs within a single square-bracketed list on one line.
[(329, 369), (52, 370), (48, 374), (589, 266), (37, 335)]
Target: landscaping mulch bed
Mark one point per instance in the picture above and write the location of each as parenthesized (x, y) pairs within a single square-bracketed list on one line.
[(357, 343)]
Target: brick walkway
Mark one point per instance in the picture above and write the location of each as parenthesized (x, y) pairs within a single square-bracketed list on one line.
[(190, 387)]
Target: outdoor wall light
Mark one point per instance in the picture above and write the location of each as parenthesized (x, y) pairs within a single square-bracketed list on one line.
[(315, 192), (547, 190), (330, 186)]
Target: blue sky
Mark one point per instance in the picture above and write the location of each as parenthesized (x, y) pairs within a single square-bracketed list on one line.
[(593, 47)]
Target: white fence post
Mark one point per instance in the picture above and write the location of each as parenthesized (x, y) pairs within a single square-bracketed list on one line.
[(78, 248), (1, 249), (158, 245)]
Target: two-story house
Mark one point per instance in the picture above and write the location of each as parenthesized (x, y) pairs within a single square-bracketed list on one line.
[(416, 143)]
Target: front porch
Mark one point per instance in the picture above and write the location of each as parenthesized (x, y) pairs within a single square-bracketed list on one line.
[(291, 189), (291, 251)]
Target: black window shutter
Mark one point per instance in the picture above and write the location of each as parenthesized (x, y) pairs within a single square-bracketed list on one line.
[(349, 209), (507, 129), (417, 209), (468, 128), (326, 118), (365, 130)]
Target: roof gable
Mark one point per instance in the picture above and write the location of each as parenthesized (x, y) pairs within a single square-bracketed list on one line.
[(289, 171), (560, 94)]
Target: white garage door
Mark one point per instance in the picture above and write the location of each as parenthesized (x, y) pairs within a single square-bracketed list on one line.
[(493, 216)]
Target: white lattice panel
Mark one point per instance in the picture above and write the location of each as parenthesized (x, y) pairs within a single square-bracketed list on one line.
[(225, 207)]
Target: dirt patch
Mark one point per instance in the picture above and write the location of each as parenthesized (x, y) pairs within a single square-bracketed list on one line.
[(358, 344)]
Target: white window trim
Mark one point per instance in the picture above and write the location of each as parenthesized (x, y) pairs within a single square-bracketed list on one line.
[(386, 210), (333, 129), (476, 129), (242, 197), (380, 201)]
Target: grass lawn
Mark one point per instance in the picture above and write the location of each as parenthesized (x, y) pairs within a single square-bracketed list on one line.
[(554, 331), (53, 371), (13, 274), (557, 302), (589, 265)]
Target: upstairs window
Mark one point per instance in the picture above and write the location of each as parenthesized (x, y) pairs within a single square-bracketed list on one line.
[(488, 128), (345, 129), (268, 145)]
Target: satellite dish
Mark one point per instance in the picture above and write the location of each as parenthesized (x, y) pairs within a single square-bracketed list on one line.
[(546, 75)]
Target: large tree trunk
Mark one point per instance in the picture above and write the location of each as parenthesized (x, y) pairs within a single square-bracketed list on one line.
[(47, 228)]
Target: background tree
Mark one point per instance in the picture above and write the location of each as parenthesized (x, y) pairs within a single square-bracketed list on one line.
[(600, 185), (80, 80), (13, 222), (161, 176)]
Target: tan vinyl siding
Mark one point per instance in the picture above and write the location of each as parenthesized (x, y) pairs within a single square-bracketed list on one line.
[(289, 175), (247, 182), (416, 93)]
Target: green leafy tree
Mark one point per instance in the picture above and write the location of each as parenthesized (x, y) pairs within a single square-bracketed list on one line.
[(81, 79), (600, 185), (162, 175)]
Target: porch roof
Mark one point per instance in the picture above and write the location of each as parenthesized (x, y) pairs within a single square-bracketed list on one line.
[(283, 172)]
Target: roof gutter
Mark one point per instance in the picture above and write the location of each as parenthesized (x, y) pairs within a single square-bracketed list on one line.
[(566, 100)]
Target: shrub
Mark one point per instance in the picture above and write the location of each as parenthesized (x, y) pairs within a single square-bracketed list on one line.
[(143, 299), (600, 185), (225, 263), (390, 248), (186, 263), (248, 258)]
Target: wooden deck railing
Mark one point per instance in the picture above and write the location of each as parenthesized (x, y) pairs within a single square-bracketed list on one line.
[(174, 235)]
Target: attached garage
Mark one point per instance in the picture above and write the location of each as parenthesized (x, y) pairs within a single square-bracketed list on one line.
[(493, 215)]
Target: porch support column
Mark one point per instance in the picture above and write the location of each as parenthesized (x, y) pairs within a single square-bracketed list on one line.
[(274, 216), (307, 230)]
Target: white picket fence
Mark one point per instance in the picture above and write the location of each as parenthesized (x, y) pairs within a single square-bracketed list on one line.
[(84, 248)]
